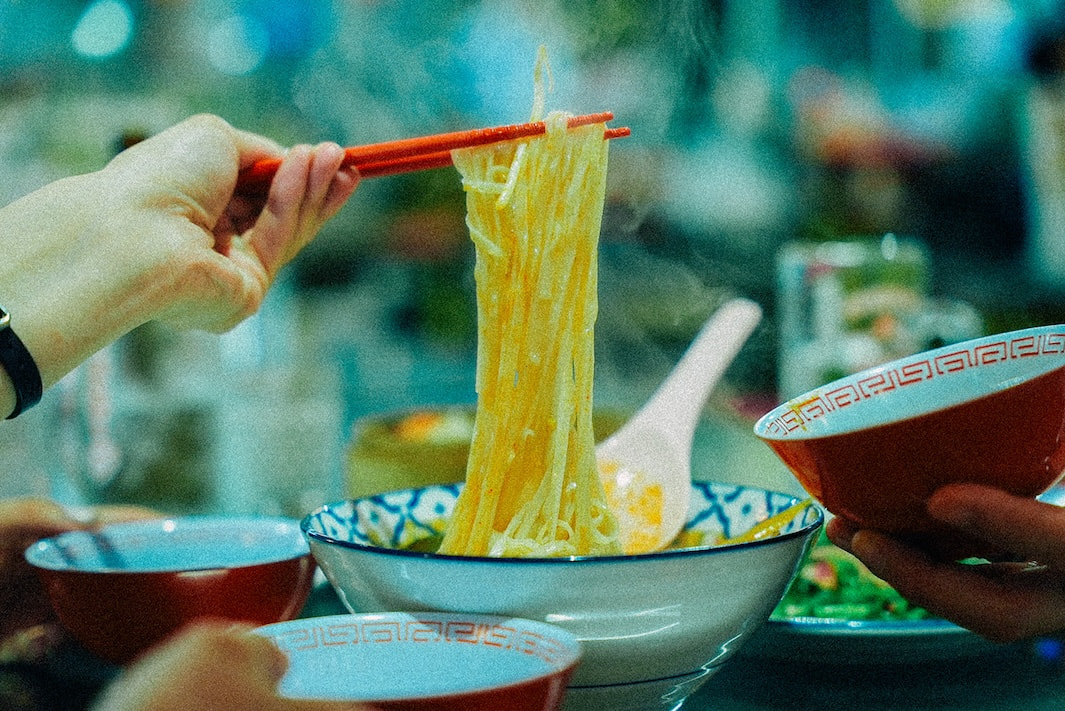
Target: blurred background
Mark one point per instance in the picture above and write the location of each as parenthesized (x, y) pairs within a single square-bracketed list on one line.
[(911, 150)]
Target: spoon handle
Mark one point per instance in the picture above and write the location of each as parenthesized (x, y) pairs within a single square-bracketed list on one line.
[(676, 405)]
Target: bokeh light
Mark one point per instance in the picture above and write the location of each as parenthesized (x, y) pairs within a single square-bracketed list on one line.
[(237, 45), (103, 30)]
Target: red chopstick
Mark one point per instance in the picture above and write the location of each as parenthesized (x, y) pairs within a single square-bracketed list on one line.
[(439, 159), (421, 153)]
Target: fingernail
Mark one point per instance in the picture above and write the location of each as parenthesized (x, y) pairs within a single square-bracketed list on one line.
[(839, 533), (949, 510), (300, 150), (330, 150), (239, 628), (866, 546)]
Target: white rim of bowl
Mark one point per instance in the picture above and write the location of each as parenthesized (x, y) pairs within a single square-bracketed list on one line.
[(574, 650), (706, 549), (33, 553), (761, 427)]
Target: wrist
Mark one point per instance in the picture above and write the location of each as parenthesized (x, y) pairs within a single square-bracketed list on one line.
[(69, 275), (7, 393), (23, 386)]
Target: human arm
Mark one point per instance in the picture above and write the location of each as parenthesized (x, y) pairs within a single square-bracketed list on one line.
[(209, 666), (158, 234), (1003, 601)]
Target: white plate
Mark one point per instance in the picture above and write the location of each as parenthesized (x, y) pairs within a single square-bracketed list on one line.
[(833, 641), (828, 641)]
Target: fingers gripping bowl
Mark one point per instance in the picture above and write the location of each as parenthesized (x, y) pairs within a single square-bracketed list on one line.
[(649, 626), (872, 447)]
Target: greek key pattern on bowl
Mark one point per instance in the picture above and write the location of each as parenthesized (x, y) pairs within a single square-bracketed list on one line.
[(499, 636), (940, 363)]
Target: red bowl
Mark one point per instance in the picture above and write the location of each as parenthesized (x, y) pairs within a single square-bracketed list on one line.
[(427, 661), (872, 447), (134, 584)]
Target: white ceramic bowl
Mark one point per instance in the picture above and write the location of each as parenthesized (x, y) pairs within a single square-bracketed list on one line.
[(652, 627), (427, 661)]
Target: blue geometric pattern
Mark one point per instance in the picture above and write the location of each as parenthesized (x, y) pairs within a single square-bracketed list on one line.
[(396, 519)]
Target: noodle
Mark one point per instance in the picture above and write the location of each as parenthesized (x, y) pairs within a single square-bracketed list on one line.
[(534, 210)]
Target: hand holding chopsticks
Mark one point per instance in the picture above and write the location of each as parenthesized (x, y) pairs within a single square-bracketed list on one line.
[(421, 153)]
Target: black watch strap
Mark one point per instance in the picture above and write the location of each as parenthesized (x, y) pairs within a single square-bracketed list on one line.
[(20, 367)]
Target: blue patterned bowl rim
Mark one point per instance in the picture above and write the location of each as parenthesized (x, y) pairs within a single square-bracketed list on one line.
[(803, 525)]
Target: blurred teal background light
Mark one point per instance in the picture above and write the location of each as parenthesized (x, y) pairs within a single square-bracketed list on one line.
[(103, 30)]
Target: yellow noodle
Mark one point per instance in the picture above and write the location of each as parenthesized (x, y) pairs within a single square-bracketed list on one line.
[(534, 210)]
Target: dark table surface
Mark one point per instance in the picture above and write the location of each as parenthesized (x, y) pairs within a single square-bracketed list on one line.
[(778, 669), (1029, 676)]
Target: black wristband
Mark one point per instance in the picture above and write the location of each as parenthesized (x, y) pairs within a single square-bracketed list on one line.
[(20, 367)]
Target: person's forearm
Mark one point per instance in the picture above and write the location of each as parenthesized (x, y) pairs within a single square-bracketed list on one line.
[(66, 289), (158, 234), (7, 394)]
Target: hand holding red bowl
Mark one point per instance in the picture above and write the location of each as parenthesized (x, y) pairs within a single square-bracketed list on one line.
[(938, 457), (1003, 601)]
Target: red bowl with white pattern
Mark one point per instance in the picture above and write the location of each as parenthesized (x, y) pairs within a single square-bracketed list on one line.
[(427, 661), (872, 447)]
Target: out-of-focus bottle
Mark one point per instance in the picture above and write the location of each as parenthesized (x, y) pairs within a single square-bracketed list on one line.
[(847, 305)]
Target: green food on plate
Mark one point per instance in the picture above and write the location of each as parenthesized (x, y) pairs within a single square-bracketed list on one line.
[(833, 584)]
